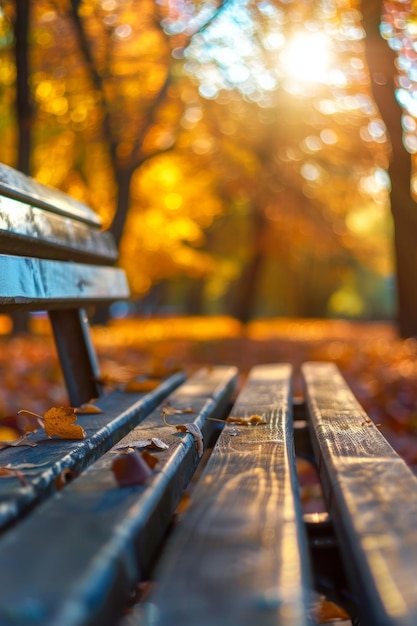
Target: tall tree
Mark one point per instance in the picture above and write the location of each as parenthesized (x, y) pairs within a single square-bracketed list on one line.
[(24, 113), (384, 75)]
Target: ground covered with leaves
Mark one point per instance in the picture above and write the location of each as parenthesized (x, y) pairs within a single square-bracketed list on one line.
[(380, 367)]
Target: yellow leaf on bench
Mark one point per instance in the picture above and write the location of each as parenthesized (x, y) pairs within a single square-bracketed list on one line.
[(253, 420), (59, 422)]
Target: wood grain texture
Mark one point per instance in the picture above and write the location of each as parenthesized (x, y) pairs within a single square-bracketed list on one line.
[(51, 457), (26, 230), (239, 558), (372, 497), (90, 543), (39, 284), (15, 184)]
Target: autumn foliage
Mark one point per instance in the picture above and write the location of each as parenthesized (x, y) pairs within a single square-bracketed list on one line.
[(229, 172)]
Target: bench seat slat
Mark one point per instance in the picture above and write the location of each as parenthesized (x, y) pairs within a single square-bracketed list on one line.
[(88, 545), (372, 496), (51, 457), (38, 284), (243, 537), (26, 230)]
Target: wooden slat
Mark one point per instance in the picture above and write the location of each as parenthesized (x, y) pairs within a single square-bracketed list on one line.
[(31, 231), (38, 284), (238, 557), (372, 497), (51, 457), (17, 185), (73, 560)]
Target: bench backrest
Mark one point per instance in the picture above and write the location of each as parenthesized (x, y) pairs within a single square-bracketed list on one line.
[(55, 257)]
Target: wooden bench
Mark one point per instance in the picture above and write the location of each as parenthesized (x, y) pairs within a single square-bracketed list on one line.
[(244, 552)]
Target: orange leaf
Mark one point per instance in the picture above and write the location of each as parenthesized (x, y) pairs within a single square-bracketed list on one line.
[(87, 408), (329, 612), (149, 458), (59, 422), (253, 420)]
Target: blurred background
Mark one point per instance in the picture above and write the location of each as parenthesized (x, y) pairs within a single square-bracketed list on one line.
[(246, 154)]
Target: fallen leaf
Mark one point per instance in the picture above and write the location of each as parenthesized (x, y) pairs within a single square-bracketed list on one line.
[(327, 611), (130, 469), (59, 422), (184, 504), (150, 459), (253, 420), (138, 385), (154, 443), (169, 410), (87, 408), (194, 430), (122, 450)]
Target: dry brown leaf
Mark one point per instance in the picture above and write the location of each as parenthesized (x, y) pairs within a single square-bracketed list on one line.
[(59, 422), (87, 409), (139, 385), (153, 444), (184, 504), (253, 420), (169, 410), (130, 469), (327, 611), (158, 444), (194, 430), (149, 458)]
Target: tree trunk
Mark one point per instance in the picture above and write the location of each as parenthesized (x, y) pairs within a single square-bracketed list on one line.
[(123, 180), (244, 303), (23, 115), (381, 61)]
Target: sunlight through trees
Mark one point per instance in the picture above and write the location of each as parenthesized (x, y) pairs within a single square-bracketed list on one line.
[(234, 148)]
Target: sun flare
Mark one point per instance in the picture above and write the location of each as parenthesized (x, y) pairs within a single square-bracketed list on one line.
[(306, 57)]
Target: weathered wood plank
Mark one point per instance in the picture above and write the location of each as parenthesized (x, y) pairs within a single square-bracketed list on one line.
[(52, 457), (26, 230), (17, 185), (239, 555), (38, 284), (372, 497), (88, 545)]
